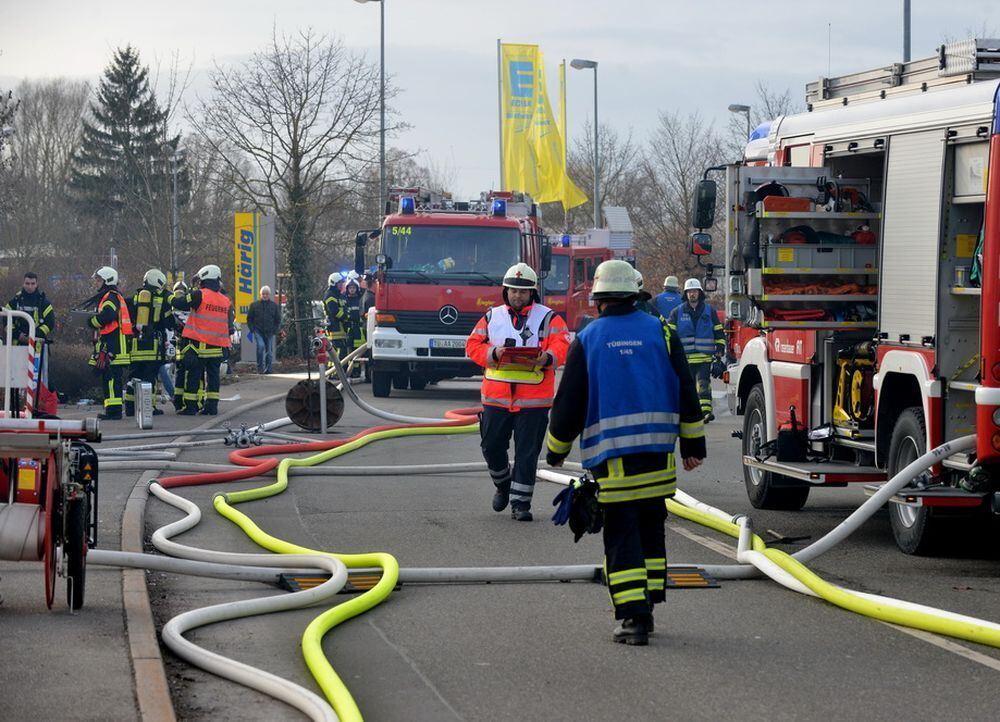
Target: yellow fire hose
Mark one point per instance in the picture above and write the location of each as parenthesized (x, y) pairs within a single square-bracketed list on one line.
[(329, 681)]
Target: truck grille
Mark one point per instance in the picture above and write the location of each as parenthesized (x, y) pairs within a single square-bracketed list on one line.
[(429, 323)]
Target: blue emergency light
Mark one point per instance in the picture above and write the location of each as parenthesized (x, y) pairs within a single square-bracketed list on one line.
[(499, 208), (407, 206), (566, 240)]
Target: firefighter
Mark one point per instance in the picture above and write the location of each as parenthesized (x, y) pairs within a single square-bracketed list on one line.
[(671, 297), (180, 344), (113, 327), (516, 399), (208, 330), (643, 300), (32, 301), (627, 392), (151, 318), (354, 320), (336, 314), (697, 325)]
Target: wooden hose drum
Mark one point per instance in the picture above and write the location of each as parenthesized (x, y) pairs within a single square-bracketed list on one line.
[(302, 405)]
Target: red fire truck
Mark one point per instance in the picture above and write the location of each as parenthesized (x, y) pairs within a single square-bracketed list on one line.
[(567, 287), (862, 285), (440, 267)]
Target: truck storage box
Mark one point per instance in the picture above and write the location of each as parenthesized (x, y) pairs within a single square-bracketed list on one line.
[(819, 258)]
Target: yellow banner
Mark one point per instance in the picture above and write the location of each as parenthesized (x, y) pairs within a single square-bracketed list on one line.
[(533, 148), (246, 245)]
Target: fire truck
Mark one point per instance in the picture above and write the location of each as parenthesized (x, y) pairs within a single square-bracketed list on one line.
[(440, 266), (862, 287), (567, 287)]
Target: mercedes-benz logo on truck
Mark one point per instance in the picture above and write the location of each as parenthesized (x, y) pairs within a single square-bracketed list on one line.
[(448, 315)]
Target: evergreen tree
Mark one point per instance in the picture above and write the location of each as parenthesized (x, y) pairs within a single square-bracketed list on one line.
[(121, 172)]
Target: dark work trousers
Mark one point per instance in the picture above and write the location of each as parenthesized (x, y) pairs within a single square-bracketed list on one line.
[(635, 556), (140, 371), (702, 373), (528, 428), (198, 367)]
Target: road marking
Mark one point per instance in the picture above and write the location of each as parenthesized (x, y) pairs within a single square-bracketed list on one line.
[(716, 546), (949, 646), (937, 640)]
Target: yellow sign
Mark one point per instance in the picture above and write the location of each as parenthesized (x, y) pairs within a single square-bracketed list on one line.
[(533, 148), (246, 245), (965, 244), (786, 255)]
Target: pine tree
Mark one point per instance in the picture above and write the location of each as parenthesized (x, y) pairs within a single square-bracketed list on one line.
[(121, 172)]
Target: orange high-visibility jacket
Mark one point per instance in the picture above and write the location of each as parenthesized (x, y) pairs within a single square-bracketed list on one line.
[(209, 323), (553, 338)]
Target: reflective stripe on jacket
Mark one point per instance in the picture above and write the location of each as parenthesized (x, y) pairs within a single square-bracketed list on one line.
[(699, 331), (209, 322), (500, 329)]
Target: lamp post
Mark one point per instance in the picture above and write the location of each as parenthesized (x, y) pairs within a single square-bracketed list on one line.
[(581, 64), (175, 154), (381, 133), (745, 109)]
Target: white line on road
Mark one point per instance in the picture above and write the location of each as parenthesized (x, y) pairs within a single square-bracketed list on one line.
[(716, 546), (937, 640)]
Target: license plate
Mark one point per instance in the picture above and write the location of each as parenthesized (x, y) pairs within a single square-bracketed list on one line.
[(447, 343)]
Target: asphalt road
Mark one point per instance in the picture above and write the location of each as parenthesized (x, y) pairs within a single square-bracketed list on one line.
[(524, 651)]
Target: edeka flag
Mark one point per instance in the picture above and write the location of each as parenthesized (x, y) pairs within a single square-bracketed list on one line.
[(532, 145), (246, 246)]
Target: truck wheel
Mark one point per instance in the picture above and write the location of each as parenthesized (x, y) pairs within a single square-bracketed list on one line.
[(916, 529), (381, 384), (75, 549), (417, 382), (765, 489)]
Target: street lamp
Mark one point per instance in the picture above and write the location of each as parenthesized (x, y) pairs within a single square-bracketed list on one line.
[(580, 64), (175, 155), (381, 132), (745, 109)]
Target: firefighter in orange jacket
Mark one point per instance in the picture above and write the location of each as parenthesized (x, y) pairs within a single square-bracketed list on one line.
[(207, 330), (114, 325), (516, 398)]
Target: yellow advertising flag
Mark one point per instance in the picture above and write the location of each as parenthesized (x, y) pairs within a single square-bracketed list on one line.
[(246, 243), (533, 148)]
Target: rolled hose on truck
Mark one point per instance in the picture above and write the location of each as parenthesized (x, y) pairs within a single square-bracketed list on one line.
[(790, 571)]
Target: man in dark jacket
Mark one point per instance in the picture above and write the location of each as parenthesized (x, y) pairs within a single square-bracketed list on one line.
[(698, 326), (626, 391), (32, 301), (264, 320)]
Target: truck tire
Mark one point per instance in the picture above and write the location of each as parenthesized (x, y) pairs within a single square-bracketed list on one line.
[(381, 384), (75, 550), (916, 529), (765, 489)]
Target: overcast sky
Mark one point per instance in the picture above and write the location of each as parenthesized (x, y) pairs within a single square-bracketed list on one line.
[(654, 55)]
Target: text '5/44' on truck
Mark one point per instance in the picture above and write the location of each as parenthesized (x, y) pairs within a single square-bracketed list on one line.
[(440, 266), (862, 286)]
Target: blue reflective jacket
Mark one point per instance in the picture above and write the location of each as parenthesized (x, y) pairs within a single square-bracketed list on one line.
[(697, 335), (667, 302), (634, 393)]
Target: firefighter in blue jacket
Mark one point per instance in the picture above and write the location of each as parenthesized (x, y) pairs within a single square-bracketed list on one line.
[(626, 391), (671, 297), (697, 325)]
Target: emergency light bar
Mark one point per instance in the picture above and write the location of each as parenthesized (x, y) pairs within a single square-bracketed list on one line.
[(499, 208), (407, 206)]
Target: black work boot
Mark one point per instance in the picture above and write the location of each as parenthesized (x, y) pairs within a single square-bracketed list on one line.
[(129, 407), (633, 631), (211, 408), (501, 496), (519, 511), (113, 413), (188, 410)]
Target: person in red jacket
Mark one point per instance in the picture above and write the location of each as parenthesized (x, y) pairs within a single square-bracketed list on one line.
[(517, 393)]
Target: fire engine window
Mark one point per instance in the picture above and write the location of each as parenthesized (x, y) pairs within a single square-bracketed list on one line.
[(579, 274), (557, 282), (452, 249)]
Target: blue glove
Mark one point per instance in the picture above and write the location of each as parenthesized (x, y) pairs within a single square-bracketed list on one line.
[(249, 335), (564, 500)]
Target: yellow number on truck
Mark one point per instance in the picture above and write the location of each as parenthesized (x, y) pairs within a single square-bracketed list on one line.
[(402, 230)]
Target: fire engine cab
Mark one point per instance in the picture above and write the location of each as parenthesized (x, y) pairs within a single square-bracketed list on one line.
[(440, 267), (567, 287), (862, 286)]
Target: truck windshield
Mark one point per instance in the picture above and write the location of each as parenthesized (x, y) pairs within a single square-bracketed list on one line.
[(557, 282), (450, 250)]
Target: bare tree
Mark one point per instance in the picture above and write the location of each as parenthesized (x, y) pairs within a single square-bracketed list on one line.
[(8, 109), (679, 151), (303, 114)]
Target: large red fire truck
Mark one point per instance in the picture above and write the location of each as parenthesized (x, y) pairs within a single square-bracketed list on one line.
[(440, 267), (862, 285)]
